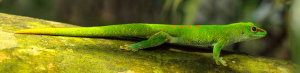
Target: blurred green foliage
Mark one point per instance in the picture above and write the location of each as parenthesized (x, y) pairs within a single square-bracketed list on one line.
[(294, 33)]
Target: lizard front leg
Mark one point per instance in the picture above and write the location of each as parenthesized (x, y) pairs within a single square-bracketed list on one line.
[(155, 40), (216, 53)]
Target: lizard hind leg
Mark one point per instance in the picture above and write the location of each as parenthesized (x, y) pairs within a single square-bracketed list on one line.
[(155, 40)]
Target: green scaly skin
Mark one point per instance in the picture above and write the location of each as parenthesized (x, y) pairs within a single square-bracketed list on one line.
[(157, 34)]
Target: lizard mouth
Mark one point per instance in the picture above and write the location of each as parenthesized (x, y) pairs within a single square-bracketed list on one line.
[(260, 34)]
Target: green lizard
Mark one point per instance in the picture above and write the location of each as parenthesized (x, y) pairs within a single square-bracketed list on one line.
[(157, 34)]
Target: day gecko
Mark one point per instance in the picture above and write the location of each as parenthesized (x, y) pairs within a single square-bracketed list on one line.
[(157, 34)]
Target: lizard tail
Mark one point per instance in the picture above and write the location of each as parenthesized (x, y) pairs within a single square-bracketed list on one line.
[(82, 31), (100, 31), (32, 31)]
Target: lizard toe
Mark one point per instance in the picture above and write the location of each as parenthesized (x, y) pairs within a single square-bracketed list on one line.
[(127, 49), (126, 45), (121, 47)]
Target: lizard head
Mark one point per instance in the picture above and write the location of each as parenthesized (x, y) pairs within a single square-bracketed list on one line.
[(252, 32)]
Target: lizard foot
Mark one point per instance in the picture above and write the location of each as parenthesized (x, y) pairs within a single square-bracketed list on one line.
[(222, 61), (132, 47)]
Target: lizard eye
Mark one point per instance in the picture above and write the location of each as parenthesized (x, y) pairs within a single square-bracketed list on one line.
[(253, 29)]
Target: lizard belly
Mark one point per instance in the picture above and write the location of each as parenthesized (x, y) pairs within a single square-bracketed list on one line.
[(202, 43)]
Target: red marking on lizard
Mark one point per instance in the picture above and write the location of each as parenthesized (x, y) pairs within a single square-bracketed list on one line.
[(194, 30), (173, 26), (250, 28), (165, 25), (258, 30), (189, 26), (180, 27), (197, 26)]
